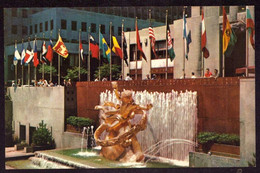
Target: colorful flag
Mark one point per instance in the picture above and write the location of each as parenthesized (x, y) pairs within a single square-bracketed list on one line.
[(250, 26), (60, 48), (22, 55), (103, 45), (152, 39), (186, 37), (43, 51), (170, 44), (28, 54), (49, 54), (124, 48), (203, 37), (35, 57), (139, 48), (81, 49), (17, 55), (229, 37), (116, 48), (94, 48)]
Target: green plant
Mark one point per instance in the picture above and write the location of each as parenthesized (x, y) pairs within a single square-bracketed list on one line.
[(253, 162), (211, 137), (105, 71), (42, 136), (73, 73), (79, 122), (47, 69)]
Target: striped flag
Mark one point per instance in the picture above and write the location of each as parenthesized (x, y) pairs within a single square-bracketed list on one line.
[(152, 39), (170, 44), (116, 48), (124, 48), (22, 55), (250, 26), (81, 49), (203, 38)]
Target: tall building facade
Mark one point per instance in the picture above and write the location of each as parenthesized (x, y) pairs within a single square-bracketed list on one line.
[(195, 63), (43, 23)]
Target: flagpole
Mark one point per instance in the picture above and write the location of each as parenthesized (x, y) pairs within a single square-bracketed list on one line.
[(166, 68), (29, 74), (41, 60), (110, 69), (150, 71), (99, 57), (184, 46), (223, 56), (16, 65), (59, 64), (22, 66), (247, 47), (122, 48), (79, 53), (136, 53), (51, 63), (89, 54), (35, 67)]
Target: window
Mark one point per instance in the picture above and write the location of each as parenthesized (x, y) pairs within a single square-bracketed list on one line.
[(133, 52), (84, 26), (40, 27), (46, 26), (14, 12), (51, 25), (241, 8), (63, 24), (128, 29), (93, 27), (112, 28), (119, 31), (221, 11), (14, 29), (35, 28), (24, 13), (160, 50), (73, 25), (31, 29), (103, 29), (24, 30)]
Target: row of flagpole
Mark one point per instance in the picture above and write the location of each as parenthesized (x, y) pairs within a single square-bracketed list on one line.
[(186, 40)]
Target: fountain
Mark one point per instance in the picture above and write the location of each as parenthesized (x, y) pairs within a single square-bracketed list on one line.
[(172, 122)]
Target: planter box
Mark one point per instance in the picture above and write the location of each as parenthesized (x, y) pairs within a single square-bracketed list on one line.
[(28, 149), (71, 128), (40, 148), (18, 147), (223, 149)]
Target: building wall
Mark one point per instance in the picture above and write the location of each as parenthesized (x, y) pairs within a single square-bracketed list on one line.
[(218, 100), (31, 105)]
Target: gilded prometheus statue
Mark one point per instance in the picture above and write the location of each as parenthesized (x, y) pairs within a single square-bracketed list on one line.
[(120, 141)]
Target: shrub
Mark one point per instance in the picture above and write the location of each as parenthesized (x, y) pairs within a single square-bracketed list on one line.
[(211, 137), (79, 122), (42, 136)]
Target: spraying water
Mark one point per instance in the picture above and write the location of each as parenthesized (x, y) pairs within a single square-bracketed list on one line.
[(172, 122), (82, 138)]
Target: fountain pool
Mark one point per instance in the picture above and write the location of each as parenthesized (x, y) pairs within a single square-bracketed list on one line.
[(75, 158)]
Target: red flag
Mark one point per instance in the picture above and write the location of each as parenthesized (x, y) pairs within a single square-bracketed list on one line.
[(49, 54), (94, 48), (35, 56), (203, 38), (81, 49), (138, 42), (60, 48)]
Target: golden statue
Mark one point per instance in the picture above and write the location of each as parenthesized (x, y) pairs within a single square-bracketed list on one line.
[(120, 141)]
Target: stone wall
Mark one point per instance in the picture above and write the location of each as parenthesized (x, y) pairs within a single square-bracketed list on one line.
[(31, 105)]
